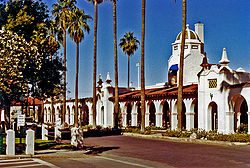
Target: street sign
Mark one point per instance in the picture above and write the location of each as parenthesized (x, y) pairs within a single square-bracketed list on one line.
[(21, 120)]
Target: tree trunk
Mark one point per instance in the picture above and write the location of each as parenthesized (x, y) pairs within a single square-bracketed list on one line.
[(142, 69), (116, 68), (94, 67), (180, 85), (128, 70), (64, 77), (76, 85)]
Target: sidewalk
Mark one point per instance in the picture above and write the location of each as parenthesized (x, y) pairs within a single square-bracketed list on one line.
[(187, 140)]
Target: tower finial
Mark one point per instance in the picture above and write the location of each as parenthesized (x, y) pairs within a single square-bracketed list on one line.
[(108, 79), (224, 60)]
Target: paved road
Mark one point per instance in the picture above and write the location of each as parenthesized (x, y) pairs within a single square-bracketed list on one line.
[(122, 151)]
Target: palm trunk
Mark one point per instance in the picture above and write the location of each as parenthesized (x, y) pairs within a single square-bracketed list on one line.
[(64, 77), (76, 85), (94, 68), (180, 86), (128, 70), (142, 69), (51, 97), (116, 68)]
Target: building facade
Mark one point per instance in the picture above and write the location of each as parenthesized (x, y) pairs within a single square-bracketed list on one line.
[(215, 97)]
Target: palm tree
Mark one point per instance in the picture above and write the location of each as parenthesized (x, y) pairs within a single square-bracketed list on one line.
[(53, 32), (62, 12), (129, 45), (76, 31), (96, 2), (180, 85), (115, 116), (142, 69)]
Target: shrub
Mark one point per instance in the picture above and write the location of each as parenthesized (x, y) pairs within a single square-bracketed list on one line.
[(243, 128)]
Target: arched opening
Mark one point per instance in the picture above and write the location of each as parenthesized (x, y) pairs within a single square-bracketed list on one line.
[(102, 115), (166, 115), (240, 111), (183, 116), (213, 112), (196, 115), (151, 114), (139, 114), (129, 108)]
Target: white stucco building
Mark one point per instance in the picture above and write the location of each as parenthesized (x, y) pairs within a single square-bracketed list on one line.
[(214, 95)]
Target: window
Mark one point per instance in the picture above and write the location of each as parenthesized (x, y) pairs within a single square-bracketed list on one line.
[(194, 47), (175, 47), (186, 46), (212, 83)]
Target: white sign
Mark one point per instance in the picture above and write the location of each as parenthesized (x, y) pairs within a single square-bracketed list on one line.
[(21, 120)]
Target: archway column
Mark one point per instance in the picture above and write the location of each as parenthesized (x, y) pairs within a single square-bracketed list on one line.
[(72, 116), (90, 113), (174, 121), (134, 115), (229, 122), (124, 114), (238, 119), (57, 114), (189, 114), (190, 120), (158, 114), (45, 115), (67, 116), (248, 122), (147, 114)]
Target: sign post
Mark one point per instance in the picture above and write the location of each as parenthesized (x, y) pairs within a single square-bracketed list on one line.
[(20, 123)]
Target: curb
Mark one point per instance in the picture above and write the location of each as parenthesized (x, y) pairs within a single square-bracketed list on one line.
[(188, 140)]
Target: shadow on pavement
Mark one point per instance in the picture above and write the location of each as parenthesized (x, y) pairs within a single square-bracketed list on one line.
[(98, 150)]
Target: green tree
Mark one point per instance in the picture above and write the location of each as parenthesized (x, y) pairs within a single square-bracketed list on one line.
[(180, 84), (129, 45), (15, 56), (96, 2), (76, 31), (62, 11), (142, 68)]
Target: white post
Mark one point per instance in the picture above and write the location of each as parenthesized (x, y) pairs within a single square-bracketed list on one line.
[(58, 133), (44, 132), (30, 142), (10, 142)]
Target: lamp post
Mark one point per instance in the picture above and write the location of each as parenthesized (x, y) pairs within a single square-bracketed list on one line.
[(138, 66)]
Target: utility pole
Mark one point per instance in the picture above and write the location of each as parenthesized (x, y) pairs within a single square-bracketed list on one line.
[(138, 66)]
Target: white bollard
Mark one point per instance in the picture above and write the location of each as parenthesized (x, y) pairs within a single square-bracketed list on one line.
[(45, 132), (30, 142), (10, 142), (58, 134), (77, 137)]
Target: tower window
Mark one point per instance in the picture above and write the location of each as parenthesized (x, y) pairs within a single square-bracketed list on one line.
[(194, 47), (212, 83), (175, 47)]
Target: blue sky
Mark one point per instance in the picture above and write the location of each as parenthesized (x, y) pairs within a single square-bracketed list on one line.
[(226, 23)]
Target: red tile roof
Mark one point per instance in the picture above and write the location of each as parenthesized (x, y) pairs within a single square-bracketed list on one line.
[(159, 93)]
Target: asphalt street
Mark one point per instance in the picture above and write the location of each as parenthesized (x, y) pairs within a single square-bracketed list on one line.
[(122, 151)]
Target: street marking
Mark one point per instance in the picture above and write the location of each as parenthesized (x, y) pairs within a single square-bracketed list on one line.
[(31, 163), (124, 162), (45, 163)]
